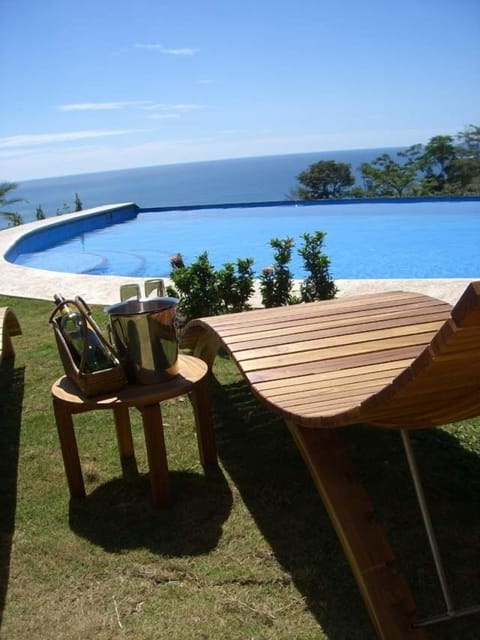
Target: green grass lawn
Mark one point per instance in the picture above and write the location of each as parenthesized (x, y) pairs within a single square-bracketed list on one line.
[(245, 552)]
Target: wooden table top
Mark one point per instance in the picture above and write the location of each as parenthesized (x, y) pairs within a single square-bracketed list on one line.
[(191, 370)]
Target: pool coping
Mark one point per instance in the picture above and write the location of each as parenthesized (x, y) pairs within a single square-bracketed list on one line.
[(39, 284)]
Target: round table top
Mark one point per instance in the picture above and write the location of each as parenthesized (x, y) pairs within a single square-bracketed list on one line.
[(191, 371)]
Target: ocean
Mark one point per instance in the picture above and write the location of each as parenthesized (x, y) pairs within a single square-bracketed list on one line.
[(258, 179)]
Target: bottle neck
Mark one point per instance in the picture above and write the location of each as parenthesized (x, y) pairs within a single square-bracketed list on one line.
[(62, 304)]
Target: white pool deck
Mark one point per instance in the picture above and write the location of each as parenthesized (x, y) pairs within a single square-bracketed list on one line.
[(25, 282)]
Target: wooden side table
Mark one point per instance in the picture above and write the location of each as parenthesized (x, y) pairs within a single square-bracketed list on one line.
[(68, 400)]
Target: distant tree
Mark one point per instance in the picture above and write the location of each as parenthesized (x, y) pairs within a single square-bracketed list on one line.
[(64, 209), (440, 167), (387, 177), (412, 155), (39, 215), (470, 142), (436, 163), (14, 218), (464, 174), (78, 203), (324, 180)]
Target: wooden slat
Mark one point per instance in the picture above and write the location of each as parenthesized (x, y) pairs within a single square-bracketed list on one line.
[(251, 350), (322, 315), (300, 396), (356, 306), (354, 372), (317, 355), (319, 328), (338, 364), (296, 386)]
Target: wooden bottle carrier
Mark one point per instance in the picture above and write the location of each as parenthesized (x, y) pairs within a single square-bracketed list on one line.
[(90, 383)]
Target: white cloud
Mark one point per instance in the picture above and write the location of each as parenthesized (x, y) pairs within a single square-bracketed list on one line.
[(173, 107), (164, 116), (162, 111), (185, 51), (38, 162), (35, 139), (180, 52), (101, 106), (141, 104)]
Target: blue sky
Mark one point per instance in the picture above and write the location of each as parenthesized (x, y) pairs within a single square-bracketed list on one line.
[(96, 85)]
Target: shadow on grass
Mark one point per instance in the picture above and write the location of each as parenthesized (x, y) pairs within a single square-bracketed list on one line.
[(11, 400), (258, 453), (119, 515)]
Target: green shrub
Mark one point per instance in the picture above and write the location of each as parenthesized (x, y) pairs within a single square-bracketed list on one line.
[(195, 286), (235, 284), (276, 282), (203, 291), (318, 285)]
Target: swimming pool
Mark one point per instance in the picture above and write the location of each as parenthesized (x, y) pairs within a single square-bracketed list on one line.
[(386, 239)]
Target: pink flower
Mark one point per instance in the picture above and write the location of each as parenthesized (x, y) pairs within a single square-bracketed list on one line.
[(176, 260)]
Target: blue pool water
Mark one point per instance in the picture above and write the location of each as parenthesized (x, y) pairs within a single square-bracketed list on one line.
[(427, 239)]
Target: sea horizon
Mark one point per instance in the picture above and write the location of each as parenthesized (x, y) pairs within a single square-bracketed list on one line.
[(210, 160), (240, 180)]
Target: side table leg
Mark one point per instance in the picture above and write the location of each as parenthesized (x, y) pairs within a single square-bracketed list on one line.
[(125, 440), (156, 454), (202, 409), (68, 445)]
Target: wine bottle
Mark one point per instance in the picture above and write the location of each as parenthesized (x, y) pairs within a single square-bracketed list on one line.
[(82, 341)]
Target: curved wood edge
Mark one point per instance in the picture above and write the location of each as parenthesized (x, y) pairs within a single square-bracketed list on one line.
[(201, 340), (9, 326), (442, 384), (466, 311)]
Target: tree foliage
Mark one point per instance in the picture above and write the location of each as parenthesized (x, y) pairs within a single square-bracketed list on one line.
[(78, 203), (445, 165), (386, 177), (13, 217), (465, 169), (436, 163), (325, 179)]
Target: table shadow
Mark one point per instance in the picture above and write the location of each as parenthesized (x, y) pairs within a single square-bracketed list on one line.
[(119, 514), (12, 383)]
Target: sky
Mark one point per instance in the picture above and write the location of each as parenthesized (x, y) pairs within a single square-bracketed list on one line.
[(97, 85)]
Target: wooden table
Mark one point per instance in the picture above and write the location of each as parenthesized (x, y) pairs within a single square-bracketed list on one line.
[(68, 400)]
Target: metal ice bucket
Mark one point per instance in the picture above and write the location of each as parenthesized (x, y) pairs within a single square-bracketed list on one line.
[(145, 335)]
